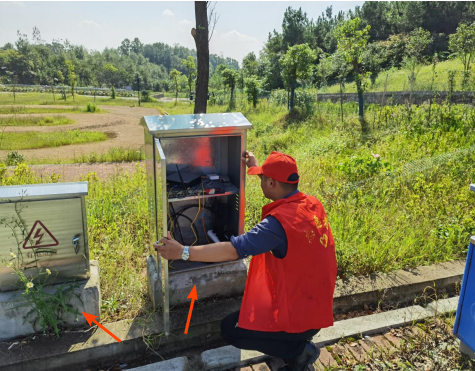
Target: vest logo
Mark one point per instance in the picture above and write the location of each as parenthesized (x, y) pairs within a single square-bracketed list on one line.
[(39, 236), (310, 236), (324, 240), (317, 221)]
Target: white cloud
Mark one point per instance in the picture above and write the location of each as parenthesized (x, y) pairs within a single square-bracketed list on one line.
[(13, 4), (89, 23), (234, 44), (185, 22), (236, 36), (168, 13)]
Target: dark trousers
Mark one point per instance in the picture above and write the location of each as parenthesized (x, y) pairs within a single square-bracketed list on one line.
[(276, 344)]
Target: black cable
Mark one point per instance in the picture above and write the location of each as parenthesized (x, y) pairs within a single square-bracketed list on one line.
[(172, 212)]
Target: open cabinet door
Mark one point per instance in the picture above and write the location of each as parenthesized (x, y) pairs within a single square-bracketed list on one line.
[(162, 229)]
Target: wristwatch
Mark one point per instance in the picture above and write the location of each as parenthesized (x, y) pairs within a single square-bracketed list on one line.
[(185, 255)]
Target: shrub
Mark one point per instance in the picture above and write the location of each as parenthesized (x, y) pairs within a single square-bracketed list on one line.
[(113, 93), (358, 168), (14, 158), (91, 107), (146, 96)]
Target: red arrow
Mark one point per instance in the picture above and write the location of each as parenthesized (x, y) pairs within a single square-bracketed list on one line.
[(193, 296), (90, 318)]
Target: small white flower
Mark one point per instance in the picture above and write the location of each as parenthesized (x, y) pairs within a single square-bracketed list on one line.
[(9, 265), (13, 255), (375, 155), (48, 272), (29, 285)]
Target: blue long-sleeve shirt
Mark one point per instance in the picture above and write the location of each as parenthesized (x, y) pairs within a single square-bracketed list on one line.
[(268, 235)]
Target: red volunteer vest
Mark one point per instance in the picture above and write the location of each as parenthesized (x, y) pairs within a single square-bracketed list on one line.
[(294, 294)]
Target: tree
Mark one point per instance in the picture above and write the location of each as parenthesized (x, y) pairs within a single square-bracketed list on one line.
[(175, 76), (71, 76), (252, 89), (417, 42), (352, 43), (230, 79), (200, 35), (125, 47), (110, 72), (297, 63), (190, 66), (250, 65), (295, 28), (462, 43)]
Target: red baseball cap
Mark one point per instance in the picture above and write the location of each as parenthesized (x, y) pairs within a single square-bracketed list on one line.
[(278, 166)]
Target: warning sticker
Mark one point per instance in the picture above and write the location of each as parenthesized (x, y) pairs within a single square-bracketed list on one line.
[(39, 236)]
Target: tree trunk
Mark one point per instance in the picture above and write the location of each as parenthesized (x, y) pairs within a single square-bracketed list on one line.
[(292, 95), (200, 34), (359, 89)]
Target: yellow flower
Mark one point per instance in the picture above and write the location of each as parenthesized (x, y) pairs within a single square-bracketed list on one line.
[(13, 255), (48, 272), (29, 285), (9, 265)]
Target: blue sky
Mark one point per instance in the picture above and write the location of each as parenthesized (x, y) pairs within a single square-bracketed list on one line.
[(242, 26)]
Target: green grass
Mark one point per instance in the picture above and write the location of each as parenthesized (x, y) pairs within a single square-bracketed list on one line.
[(34, 121), (47, 99), (116, 154), (32, 139), (410, 207), (398, 79), (15, 110)]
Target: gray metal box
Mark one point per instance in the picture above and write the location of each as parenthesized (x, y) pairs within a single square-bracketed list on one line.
[(197, 145), (44, 226)]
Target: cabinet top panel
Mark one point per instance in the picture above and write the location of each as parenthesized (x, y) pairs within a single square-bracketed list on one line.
[(42, 191), (200, 124)]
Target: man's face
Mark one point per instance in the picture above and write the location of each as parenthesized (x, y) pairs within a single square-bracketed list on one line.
[(265, 185)]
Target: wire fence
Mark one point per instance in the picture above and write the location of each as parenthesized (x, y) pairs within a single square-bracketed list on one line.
[(80, 90)]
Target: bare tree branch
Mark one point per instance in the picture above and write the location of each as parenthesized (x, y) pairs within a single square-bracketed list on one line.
[(213, 17)]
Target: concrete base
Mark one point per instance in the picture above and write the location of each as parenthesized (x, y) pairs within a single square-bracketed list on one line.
[(13, 309), (216, 280), (466, 350)]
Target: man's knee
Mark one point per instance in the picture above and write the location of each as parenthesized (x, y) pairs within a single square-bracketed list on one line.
[(228, 325)]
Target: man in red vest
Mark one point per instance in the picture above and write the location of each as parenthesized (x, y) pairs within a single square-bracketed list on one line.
[(292, 274)]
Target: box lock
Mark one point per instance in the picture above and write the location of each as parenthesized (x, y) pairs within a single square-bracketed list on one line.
[(76, 244)]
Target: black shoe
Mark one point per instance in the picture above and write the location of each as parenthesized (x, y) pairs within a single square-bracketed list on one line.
[(308, 357)]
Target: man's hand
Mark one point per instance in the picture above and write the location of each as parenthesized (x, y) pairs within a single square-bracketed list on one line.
[(249, 159), (169, 248)]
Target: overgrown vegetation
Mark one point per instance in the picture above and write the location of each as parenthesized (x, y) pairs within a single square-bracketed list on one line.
[(34, 121), (426, 346), (34, 139), (396, 197)]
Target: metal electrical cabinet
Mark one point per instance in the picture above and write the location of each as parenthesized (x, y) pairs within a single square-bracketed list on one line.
[(43, 226), (464, 326), (196, 185)]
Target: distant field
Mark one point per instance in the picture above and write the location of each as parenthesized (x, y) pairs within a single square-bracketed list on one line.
[(34, 121), (32, 139), (47, 99), (398, 79), (20, 110)]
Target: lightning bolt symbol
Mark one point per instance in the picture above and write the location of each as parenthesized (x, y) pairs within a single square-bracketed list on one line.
[(38, 236)]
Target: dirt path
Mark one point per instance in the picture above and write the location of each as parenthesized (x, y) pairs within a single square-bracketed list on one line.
[(120, 122)]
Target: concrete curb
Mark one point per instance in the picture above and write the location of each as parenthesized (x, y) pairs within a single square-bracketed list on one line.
[(87, 349), (227, 357), (175, 364)]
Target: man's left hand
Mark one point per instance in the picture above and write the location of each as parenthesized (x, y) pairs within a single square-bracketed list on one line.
[(169, 248)]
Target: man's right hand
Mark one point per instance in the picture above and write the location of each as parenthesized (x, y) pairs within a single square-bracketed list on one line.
[(249, 159)]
